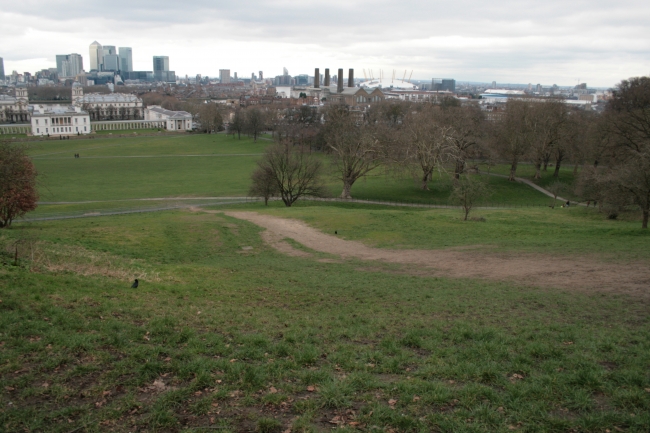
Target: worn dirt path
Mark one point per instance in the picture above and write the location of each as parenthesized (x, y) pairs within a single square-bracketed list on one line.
[(578, 273)]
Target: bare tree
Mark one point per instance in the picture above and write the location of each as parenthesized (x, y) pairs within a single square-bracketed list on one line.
[(356, 149), (624, 177), (467, 130), (548, 117), (18, 194), (467, 191), (208, 115), (294, 170), (556, 188), (264, 184), (255, 122), (428, 143), (237, 123), (516, 132)]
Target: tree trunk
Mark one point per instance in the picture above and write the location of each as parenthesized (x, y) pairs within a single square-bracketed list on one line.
[(425, 181), (513, 171), (460, 168), (538, 168), (466, 213), (558, 162), (575, 170), (546, 159), (646, 213), (347, 186)]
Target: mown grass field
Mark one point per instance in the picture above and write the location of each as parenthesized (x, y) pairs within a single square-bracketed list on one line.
[(225, 333), (200, 165)]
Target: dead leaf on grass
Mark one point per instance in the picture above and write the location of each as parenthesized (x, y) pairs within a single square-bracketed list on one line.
[(311, 388), (337, 420), (273, 390), (158, 385), (416, 398)]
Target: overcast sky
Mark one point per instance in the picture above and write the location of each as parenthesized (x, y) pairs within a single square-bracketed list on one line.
[(598, 42)]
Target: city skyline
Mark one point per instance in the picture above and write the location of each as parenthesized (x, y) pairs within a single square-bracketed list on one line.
[(517, 42)]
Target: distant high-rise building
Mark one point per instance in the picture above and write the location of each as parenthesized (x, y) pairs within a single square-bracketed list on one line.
[(494, 84), (235, 76), (2, 69), (69, 65), (444, 84), (285, 71), (224, 75), (109, 50), (96, 56), (160, 64), (261, 75), (126, 59), (111, 62), (538, 88), (161, 70)]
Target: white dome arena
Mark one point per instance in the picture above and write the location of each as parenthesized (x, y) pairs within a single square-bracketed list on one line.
[(387, 83)]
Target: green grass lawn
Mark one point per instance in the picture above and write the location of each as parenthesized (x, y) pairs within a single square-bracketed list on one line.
[(225, 333), (210, 165), (129, 131), (145, 167)]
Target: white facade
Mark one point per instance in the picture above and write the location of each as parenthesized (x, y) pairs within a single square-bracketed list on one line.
[(174, 120), (59, 120), (15, 109), (112, 106)]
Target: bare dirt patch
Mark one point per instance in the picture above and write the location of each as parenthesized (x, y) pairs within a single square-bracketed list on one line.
[(531, 269)]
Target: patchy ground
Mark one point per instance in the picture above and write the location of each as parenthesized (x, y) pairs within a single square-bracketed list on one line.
[(532, 269)]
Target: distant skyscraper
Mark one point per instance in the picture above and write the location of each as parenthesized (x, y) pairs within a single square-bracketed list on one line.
[(111, 62), (224, 75), (161, 70), (443, 84), (69, 65), (160, 63), (2, 69), (261, 75), (126, 59), (110, 50), (96, 56)]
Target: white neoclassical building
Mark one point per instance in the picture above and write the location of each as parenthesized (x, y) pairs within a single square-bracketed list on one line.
[(59, 120), (174, 120), (15, 109), (112, 106)]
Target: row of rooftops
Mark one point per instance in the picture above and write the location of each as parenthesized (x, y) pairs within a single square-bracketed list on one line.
[(171, 114)]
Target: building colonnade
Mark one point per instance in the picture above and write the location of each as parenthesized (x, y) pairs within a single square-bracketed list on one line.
[(127, 124)]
